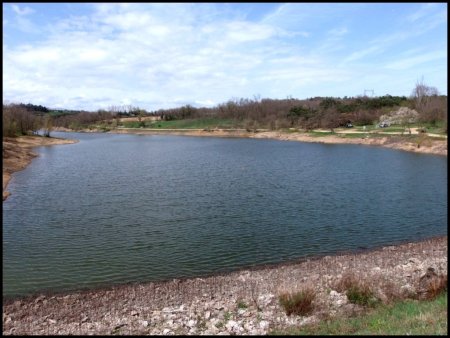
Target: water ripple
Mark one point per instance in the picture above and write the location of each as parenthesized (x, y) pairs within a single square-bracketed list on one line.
[(152, 208)]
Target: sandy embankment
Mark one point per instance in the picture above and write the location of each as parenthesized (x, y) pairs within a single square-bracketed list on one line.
[(437, 147), (243, 302), (428, 146), (17, 153)]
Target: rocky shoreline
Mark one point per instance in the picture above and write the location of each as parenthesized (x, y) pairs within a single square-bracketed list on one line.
[(238, 303)]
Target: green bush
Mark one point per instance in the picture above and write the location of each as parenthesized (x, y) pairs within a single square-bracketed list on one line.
[(357, 291), (361, 294)]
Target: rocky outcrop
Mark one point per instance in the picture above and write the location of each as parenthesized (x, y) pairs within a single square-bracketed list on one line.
[(401, 116)]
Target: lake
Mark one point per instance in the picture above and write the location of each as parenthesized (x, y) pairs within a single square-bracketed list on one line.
[(134, 208)]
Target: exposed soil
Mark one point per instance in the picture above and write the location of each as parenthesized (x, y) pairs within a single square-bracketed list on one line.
[(427, 145), (241, 302), (17, 153)]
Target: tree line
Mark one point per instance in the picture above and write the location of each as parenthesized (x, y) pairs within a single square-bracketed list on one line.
[(318, 112), (311, 113), (21, 119)]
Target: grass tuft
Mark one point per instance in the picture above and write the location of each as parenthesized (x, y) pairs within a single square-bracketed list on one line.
[(406, 317), (361, 294), (346, 282), (242, 305), (357, 291), (298, 303)]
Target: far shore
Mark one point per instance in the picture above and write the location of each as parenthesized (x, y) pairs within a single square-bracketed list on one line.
[(430, 146), (17, 152)]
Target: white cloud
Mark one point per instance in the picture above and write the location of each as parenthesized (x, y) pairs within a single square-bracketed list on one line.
[(413, 61), (362, 53), (423, 11), (338, 32), (22, 19), (166, 55), (239, 31), (22, 11)]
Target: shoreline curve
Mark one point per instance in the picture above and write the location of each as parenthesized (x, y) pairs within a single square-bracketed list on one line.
[(18, 154)]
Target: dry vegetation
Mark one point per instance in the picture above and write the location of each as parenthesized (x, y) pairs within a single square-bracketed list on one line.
[(299, 302), (250, 114)]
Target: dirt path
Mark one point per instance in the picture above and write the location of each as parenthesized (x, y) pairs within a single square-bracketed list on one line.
[(17, 154)]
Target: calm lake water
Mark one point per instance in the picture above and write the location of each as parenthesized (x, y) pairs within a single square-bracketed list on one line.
[(129, 208)]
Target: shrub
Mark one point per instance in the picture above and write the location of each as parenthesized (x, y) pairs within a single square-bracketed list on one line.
[(298, 303), (357, 291), (361, 294), (346, 282), (436, 287), (395, 293)]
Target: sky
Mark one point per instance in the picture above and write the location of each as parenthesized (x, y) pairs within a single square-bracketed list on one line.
[(163, 55)]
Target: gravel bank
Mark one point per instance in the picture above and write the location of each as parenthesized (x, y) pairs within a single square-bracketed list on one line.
[(242, 302)]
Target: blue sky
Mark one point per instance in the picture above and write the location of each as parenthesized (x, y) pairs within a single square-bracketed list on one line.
[(92, 56)]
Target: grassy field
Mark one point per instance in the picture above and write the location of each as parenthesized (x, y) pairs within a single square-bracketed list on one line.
[(203, 123), (212, 123), (320, 133), (361, 135), (435, 128), (409, 317)]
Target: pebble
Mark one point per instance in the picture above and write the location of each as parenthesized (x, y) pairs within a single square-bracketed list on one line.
[(220, 315), (263, 324), (230, 325)]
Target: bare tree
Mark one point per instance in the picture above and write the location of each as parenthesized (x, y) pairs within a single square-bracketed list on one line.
[(47, 125), (17, 120), (421, 96), (140, 115)]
